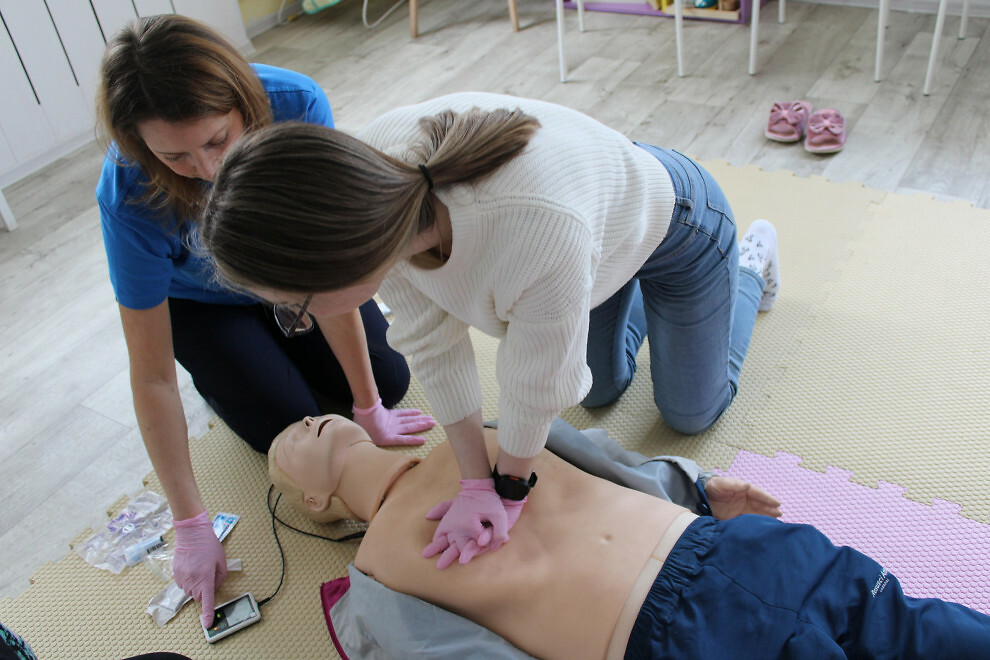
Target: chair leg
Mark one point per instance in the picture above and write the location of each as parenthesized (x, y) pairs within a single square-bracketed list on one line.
[(560, 40), (962, 19), (936, 43), (678, 35), (514, 15), (754, 35), (580, 4), (882, 17), (414, 18), (780, 11)]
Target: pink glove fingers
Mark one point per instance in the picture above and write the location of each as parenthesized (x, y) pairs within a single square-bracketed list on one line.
[(199, 564), (208, 613), (436, 546), (470, 524), (391, 428), (438, 512), (448, 557)]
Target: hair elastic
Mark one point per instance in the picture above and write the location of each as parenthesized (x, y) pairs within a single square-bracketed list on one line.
[(426, 173)]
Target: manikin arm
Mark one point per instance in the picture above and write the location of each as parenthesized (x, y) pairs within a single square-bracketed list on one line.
[(673, 478)]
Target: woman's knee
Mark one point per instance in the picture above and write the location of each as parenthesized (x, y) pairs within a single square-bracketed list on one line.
[(680, 409), (606, 390), (392, 378), (690, 424)]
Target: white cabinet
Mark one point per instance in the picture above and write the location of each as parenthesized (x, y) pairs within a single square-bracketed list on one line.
[(50, 54)]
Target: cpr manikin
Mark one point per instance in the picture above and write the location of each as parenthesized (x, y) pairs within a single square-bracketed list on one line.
[(584, 558)]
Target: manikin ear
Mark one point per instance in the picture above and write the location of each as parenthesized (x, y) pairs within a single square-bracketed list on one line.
[(316, 503)]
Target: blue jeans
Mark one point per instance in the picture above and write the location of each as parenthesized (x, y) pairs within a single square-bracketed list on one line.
[(694, 302), (757, 588)]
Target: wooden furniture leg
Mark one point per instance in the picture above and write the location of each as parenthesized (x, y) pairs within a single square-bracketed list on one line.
[(514, 15)]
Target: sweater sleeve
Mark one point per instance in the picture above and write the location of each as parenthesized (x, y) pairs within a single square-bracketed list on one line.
[(438, 347), (542, 361)]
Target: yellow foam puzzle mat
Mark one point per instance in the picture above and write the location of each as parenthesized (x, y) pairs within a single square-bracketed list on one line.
[(875, 361)]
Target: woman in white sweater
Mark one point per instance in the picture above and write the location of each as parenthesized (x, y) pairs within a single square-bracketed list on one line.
[(533, 223)]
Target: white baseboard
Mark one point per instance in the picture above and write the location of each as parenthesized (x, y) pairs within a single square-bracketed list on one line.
[(50, 155)]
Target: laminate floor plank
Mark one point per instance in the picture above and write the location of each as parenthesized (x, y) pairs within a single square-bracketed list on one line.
[(954, 158), (72, 504)]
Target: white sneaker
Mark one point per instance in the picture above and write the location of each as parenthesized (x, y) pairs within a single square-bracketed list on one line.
[(758, 252)]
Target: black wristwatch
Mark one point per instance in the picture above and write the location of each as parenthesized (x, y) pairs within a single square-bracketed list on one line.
[(512, 488)]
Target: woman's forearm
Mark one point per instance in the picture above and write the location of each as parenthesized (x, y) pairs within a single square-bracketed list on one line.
[(163, 428), (347, 339), (468, 442)]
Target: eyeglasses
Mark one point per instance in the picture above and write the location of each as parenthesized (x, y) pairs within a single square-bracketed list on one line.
[(292, 319)]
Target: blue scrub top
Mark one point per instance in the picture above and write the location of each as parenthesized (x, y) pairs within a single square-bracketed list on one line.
[(154, 257)]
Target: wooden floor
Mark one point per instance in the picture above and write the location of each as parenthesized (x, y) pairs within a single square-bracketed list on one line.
[(68, 440)]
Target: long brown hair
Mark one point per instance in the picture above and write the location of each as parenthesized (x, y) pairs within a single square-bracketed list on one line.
[(305, 208), (172, 68)]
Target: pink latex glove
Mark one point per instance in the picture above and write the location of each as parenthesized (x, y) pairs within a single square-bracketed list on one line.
[(512, 510), (199, 564), (390, 428), (470, 524)]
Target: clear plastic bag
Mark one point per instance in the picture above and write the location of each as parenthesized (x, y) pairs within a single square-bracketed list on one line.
[(146, 516), (159, 562)]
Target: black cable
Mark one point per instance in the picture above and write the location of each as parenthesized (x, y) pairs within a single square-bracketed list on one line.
[(278, 542), (281, 552), (271, 509)]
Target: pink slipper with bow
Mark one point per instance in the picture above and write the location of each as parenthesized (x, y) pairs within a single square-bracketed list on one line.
[(787, 121), (826, 132)]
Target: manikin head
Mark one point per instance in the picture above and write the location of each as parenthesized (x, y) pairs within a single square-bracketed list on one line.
[(328, 469)]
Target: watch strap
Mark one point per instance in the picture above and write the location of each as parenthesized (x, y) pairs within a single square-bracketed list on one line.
[(511, 487)]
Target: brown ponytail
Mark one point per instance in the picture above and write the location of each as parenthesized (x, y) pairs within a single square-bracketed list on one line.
[(304, 208)]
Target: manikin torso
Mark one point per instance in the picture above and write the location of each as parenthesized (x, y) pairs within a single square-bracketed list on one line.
[(556, 588)]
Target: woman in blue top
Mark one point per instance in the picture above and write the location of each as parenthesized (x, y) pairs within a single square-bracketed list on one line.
[(174, 95)]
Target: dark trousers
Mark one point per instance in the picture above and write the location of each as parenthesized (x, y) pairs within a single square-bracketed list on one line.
[(756, 588), (257, 380)]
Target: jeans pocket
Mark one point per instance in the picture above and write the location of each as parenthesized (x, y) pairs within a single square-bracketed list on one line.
[(703, 183)]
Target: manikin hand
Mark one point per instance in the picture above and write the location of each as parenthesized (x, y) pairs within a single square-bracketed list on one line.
[(390, 428), (199, 565), (731, 497), (472, 523)]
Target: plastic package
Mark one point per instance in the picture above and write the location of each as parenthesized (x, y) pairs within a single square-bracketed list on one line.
[(159, 562), (134, 553), (158, 558), (166, 603), (145, 517)]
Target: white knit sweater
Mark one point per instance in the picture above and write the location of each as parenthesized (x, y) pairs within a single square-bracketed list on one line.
[(536, 246)]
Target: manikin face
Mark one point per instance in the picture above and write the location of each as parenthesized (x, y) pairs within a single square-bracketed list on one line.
[(192, 148), (311, 451)]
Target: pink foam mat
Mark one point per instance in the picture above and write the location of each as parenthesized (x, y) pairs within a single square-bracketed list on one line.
[(932, 550)]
